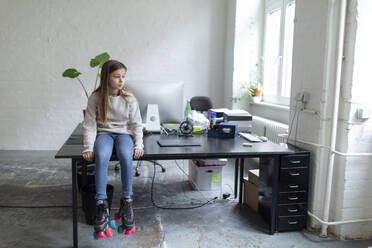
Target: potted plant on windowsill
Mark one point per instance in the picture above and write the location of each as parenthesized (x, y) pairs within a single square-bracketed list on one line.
[(254, 88), (255, 91), (97, 61)]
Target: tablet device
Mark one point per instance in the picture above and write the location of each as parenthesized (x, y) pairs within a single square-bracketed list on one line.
[(178, 142)]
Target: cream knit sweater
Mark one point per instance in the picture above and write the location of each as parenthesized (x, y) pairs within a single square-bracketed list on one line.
[(122, 118)]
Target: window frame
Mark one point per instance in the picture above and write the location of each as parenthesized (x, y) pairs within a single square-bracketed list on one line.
[(270, 7)]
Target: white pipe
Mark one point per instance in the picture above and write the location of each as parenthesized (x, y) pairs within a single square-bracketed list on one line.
[(327, 199), (367, 154), (334, 223), (323, 135), (352, 154)]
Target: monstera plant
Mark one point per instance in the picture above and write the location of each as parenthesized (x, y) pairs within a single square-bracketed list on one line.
[(98, 61)]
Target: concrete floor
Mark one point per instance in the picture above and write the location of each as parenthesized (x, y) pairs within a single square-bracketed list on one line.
[(37, 179)]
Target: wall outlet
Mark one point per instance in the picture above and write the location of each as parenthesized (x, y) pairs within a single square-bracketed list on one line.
[(303, 97), (363, 113)]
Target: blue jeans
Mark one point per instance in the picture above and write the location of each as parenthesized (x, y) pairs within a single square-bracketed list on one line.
[(103, 147)]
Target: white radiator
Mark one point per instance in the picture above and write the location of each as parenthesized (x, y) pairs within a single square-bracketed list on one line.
[(271, 129)]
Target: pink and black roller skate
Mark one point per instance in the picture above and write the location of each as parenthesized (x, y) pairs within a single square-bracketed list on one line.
[(102, 223), (126, 216)]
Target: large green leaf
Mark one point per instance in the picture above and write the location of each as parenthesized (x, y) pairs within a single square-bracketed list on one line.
[(99, 60), (94, 63), (71, 73)]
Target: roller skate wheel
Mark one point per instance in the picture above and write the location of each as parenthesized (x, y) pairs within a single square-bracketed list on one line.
[(131, 231), (117, 217), (113, 224), (95, 235), (120, 229), (108, 232), (100, 235)]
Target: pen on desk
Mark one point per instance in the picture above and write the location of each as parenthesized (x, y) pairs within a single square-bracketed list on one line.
[(247, 144)]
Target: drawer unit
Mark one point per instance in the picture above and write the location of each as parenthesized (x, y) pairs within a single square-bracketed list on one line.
[(292, 209), (283, 190), (291, 223), (293, 179), (289, 161), (292, 197)]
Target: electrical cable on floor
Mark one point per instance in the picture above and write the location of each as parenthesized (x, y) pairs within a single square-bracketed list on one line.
[(187, 176), (173, 208)]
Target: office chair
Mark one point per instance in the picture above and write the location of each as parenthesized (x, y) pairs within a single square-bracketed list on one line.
[(201, 103)]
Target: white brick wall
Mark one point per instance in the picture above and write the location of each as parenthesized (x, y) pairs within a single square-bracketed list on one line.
[(352, 181), (358, 172), (158, 40)]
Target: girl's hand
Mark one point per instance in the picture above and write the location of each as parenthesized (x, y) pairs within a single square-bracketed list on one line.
[(137, 153), (88, 156)]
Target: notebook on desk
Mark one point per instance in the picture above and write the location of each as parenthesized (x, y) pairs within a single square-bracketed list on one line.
[(178, 143)]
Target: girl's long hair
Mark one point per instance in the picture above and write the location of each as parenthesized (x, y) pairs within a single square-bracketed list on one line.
[(107, 68)]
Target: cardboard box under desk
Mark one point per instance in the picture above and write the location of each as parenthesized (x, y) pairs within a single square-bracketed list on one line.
[(253, 176), (251, 189)]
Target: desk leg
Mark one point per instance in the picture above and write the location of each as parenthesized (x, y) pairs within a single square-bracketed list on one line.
[(241, 181), (236, 178), (83, 175), (74, 204)]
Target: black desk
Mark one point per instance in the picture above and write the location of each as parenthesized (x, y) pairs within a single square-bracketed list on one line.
[(271, 155)]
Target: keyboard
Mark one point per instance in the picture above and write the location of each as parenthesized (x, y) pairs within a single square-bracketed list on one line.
[(250, 137)]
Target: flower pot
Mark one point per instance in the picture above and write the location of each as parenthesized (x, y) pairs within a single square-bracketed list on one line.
[(257, 92), (256, 99)]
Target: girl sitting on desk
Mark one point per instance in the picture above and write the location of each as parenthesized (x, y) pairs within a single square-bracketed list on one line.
[(113, 118)]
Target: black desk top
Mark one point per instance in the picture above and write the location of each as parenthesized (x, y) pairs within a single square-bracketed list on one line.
[(210, 148)]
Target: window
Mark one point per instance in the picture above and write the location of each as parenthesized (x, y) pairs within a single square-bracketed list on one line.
[(277, 50)]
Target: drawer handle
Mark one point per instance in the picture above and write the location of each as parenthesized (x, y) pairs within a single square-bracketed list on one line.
[(295, 161), (293, 186), (292, 198), (294, 174), (292, 222), (294, 210)]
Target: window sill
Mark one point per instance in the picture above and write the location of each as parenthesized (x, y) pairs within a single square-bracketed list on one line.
[(270, 105), (270, 111)]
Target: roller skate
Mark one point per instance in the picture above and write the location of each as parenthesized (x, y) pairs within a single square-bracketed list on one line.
[(102, 223), (127, 217)]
